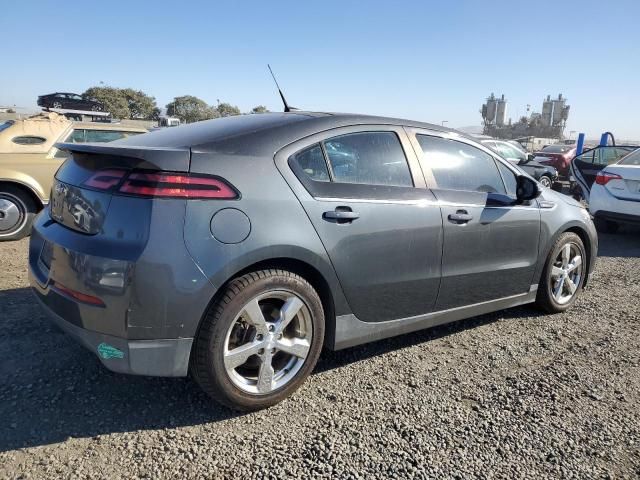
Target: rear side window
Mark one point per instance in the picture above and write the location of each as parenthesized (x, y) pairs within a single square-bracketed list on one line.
[(633, 159), (370, 158), (458, 166), (311, 161), (28, 140)]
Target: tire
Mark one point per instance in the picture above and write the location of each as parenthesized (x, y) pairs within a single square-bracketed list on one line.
[(56, 105), (545, 181), (548, 298), (240, 387), (96, 108), (606, 226), (17, 210)]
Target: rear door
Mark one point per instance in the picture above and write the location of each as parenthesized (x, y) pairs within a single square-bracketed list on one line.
[(490, 245), (363, 191)]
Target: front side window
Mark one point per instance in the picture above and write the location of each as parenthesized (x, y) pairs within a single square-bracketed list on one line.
[(371, 158), (510, 180), (458, 166)]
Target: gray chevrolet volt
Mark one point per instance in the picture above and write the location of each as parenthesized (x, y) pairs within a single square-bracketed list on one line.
[(235, 249)]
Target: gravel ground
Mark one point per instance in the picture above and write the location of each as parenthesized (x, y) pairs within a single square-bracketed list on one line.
[(511, 394)]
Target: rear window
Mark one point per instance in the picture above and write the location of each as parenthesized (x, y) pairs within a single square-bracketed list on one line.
[(631, 159), (557, 149)]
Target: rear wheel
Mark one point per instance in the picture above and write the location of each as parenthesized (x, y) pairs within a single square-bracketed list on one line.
[(260, 340), (563, 274), (606, 226), (17, 210), (56, 105)]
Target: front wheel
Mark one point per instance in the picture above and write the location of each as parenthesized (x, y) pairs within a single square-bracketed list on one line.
[(545, 181), (260, 340), (563, 274)]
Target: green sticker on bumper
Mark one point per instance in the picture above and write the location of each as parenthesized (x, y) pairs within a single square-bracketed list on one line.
[(107, 351)]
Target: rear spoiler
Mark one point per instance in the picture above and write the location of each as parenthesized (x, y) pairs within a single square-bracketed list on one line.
[(152, 158)]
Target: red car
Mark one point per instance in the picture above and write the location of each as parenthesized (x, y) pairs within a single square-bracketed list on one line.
[(558, 156)]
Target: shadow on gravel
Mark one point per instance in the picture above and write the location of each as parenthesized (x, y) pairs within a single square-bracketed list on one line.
[(52, 388), (625, 243)]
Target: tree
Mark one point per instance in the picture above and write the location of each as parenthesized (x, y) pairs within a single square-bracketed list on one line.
[(191, 109), (141, 105), (125, 102), (113, 99), (227, 110), (259, 109)]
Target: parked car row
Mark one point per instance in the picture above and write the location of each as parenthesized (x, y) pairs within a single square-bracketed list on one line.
[(29, 159), (545, 174)]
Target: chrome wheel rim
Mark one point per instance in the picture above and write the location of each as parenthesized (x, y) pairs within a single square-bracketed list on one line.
[(57, 105), (545, 182), (268, 342), (566, 273), (12, 214)]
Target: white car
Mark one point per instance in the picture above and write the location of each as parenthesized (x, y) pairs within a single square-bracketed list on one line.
[(615, 194)]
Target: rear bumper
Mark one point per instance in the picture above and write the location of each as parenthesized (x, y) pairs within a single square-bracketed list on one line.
[(152, 293), (617, 217), (160, 358)]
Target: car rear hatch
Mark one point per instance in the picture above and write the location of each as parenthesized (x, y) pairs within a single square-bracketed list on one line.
[(84, 185), (621, 181)]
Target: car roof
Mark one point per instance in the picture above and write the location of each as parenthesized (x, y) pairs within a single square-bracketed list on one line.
[(268, 131)]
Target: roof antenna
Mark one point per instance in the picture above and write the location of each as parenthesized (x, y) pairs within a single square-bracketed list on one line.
[(287, 108)]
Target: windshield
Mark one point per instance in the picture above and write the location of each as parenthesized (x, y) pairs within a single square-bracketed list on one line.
[(557, 148), (631, 159)]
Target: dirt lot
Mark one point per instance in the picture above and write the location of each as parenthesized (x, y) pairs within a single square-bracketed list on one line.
[(511, 394)]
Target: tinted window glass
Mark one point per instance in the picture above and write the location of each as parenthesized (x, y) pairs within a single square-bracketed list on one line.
[(311, 160), (372, 158), (458, 166), (103, 135), (5, 125), (28, 140), (509, 179), (77, 136)]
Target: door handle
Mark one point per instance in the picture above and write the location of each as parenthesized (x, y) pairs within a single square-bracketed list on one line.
[(341, 215), (460, 217)]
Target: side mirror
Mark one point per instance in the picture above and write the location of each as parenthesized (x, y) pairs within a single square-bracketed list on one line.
[(526, 189), (530, 156)]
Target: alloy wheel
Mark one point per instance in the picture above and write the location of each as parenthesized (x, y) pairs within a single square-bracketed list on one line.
[(545, 181), (566, 273), (268, 342)]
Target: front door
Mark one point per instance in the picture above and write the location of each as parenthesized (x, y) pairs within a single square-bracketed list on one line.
[(364, 192), (490, 245)]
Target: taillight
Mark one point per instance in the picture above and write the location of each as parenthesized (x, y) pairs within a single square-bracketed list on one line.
[(602, 178), (162, 184)]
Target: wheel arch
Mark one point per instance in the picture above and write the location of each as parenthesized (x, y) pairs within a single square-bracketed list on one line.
[(330, 293), (25, 187)]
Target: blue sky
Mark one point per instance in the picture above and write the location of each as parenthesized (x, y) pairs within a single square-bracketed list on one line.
[(429, 61)]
